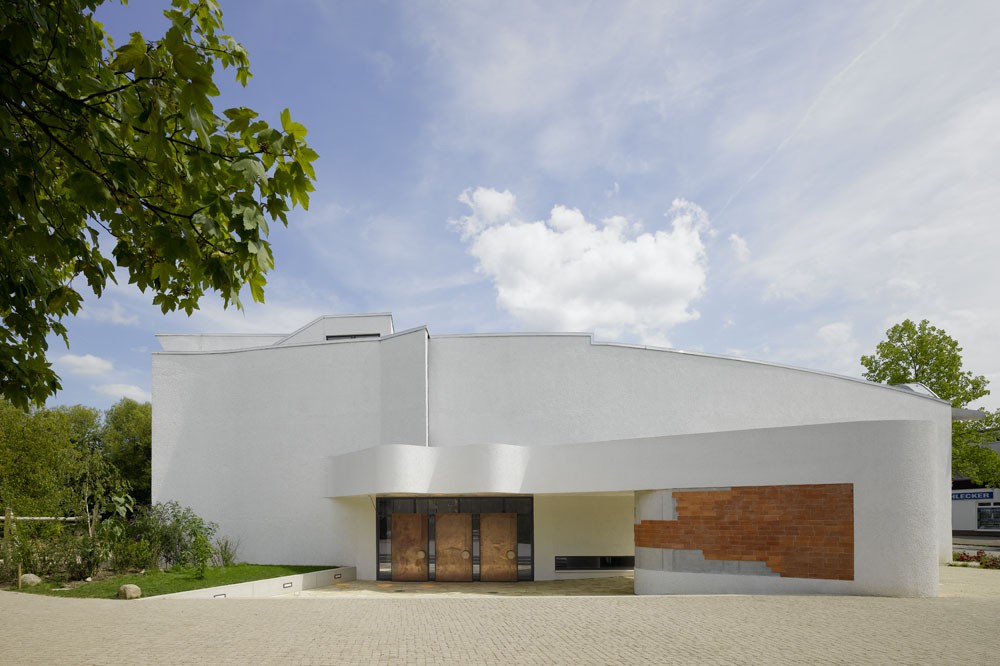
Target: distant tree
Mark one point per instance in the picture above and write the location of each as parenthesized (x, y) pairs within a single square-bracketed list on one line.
[(969, 457), (36, 462), (84, 426), (926, 354), (127, 439), (99, 142)]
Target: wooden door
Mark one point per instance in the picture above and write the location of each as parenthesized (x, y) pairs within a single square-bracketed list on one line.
[(453, 547), (498, 547), (409, 546)]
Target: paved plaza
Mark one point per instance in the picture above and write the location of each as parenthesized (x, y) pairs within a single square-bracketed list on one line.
[(380, 625)]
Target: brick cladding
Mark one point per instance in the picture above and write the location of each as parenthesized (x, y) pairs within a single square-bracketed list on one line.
[(804, 531)]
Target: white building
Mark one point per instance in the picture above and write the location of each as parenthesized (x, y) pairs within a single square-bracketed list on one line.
[(512, 457)]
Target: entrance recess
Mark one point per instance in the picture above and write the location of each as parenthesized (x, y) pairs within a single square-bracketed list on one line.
[(409, 547), (453, 540), (498, 547)]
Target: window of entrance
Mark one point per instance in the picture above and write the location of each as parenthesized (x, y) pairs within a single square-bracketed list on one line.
[(455, 539)]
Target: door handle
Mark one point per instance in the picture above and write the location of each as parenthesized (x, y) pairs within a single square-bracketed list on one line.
[(510, 555), (421, 554), (466, 554)]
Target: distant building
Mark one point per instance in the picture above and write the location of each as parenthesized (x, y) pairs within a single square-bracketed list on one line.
[(975, 511), (548, 456)]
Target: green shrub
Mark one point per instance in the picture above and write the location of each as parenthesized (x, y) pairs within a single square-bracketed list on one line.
[(226, 551), (176, 535), (55, 550)]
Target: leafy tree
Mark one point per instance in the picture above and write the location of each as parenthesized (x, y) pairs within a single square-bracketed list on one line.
[(123, 146), (127, 440), (969, 457), (52, 464), (926, 354), (35, 462)]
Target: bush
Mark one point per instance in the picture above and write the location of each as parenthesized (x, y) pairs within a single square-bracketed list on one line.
[(51, 550), (131, 554), (226, 550), (160, 536), (176, 535), (984, 559)]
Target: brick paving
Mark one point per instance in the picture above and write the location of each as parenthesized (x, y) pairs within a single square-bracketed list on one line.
[(958, 627)]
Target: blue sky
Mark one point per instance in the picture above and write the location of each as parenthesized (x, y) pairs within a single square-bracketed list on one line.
[(780, 181)]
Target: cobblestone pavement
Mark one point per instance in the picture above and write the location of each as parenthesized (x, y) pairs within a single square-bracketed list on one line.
[(958, 627)]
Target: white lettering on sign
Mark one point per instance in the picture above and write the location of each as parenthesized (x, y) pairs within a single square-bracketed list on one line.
[(982, 494)]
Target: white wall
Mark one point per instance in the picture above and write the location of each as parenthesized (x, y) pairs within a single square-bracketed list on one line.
[(892, 464), (360, 324), (242, 437), (541, 390), (560, 389), (184, 342), (403, 384), (258, 440)]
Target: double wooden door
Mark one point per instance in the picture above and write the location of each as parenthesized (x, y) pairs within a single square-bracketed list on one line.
[(454, 547)]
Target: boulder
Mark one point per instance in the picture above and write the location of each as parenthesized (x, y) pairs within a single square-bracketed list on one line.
[(129, 591), (30, 579)]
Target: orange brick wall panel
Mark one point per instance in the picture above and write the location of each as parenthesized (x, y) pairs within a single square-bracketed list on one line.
[(801, 531)]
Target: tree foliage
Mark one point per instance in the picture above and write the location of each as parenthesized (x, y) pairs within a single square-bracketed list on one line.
[(52, 464), (124, 143), (969, 455), (926, 354), (127, 440), (35, 462)]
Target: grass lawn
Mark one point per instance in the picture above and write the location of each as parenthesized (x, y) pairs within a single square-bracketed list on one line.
[(178, 579)]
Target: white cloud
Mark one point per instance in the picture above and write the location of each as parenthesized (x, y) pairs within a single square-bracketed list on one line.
[(114, 314), (87, 364), (568, 274), (132, 391), (739, 247), (488, 206)]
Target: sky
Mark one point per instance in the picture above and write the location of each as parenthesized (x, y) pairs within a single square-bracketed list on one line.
[(779, 181)]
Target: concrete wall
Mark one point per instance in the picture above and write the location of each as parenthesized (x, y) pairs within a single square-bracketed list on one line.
[(242, 437), (360, 324), (539, 390), (892, 466), (581, 525), (183, 342), (560, 389), (268, 587), (260, 439)]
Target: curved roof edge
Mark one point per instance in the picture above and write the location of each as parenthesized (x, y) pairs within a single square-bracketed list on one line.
[(297, 345)]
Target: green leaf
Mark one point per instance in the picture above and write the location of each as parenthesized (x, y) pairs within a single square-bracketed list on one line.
[(88, 188), (251, 169), (130, 56)]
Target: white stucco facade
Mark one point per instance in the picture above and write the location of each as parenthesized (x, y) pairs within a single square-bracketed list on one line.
[(287, 441)]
